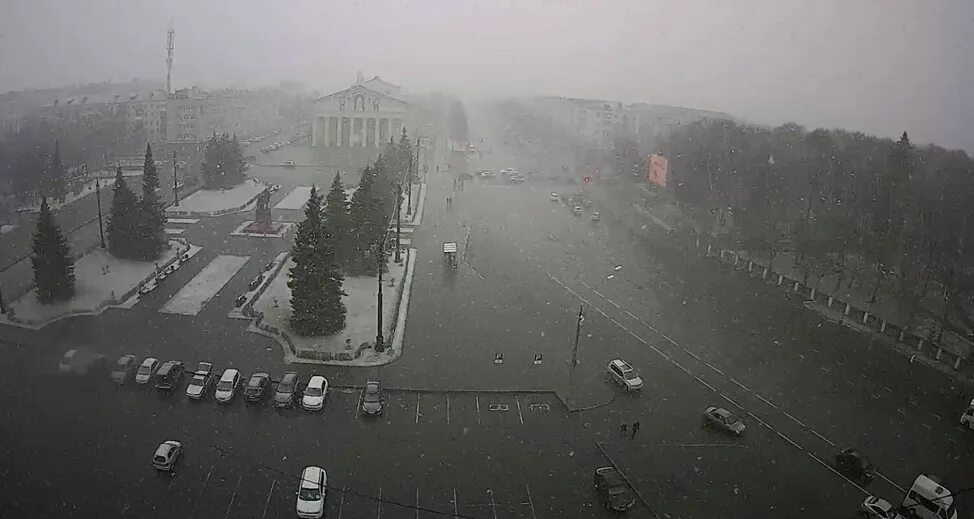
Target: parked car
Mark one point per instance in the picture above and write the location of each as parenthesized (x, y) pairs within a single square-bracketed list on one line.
[(147, 370), (624, 374), (123, 370), (516, 179), (854, 465), (311, 493), (372, 399), (167, 456), (315, 393), (723, 419), (613, 489), (877, 508), (553, 197), (257, 387), (596, 216), (169, 375), (486, 173), (201, 380), (287, 390), (288, 163), (226, 388)]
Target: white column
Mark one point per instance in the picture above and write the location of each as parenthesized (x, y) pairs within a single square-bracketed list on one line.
[(338, 128), (375, 130), (324, 132), (365, 129)]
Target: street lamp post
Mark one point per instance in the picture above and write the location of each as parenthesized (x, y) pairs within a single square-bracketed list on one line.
[(578, 332), (101, 229), (379, 342), (398, 221), (175, 183)]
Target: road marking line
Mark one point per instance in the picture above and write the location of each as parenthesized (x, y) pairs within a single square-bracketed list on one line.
[(519, 415), (660, 352), (837, 473), (530, 501), (901, 489), (232, 497), (827, 370), (927, 426), (725, 397), (762, 422), (492, 507), (598, 293), (790, 441), (766, 401), (631, 315), (826, 440), (888, 389), (617, 324), (417, 407), (713, 368), (681, 367), (202, 489), (341, 502), (599, 310), (269, 494), (586, 285), (663, 335), (863, 375), (417, 502), (613, 303), (378, 505), (702, 381), (739, 384), (171, 481), (477, 397), (795, 420), (901, 411), (456, 512), (584, 300), (690, 353)]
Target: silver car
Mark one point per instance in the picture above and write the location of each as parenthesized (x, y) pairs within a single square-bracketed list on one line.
[(723, 419)]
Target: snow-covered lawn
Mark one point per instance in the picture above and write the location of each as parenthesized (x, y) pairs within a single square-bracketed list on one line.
[(360, 305), (299, 196), (100, 280), (76, 193), (5, 228), (207, 201), (194, 295), (182, 221), (174, 231)]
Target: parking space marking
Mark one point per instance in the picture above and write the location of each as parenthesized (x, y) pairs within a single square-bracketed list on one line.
[(725, 397), (765, 400), (417, 502), (742, 386), (447, 416), (202, 489), (417, 407), (692, 354), (171, 481), (530, 501), (826, 440), (713, 368), (477, 397), (492, 507), (702, 381), (232, 497), (269, 494), (378, 505), (795, 419), (456, 512), (519, 415)]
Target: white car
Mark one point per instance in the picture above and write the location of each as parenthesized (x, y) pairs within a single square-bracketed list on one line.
[(624, 374), (314, 393), (878, 508), (147, 370), (67, 362), (167, 456), (967, 419), (553, 197), (311, 493), (226, 388)]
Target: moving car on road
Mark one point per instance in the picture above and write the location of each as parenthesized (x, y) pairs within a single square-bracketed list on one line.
[(553, 197), (928, 499), (723, 419), (167, 455), (201, 381), (288, 163), (123, 370), (147, 369), (169, 375), (257, 387), (854, 465), (450, 253), (315, 393), (613, 489), (311, 493), (226, 388), (372, 400), (287, 390), (622, 373)]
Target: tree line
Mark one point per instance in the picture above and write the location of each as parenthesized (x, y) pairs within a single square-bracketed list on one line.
[(343, 237), (832, 198)]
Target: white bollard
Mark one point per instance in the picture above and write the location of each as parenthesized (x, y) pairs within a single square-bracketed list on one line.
[(795, 288), (780, 279), (698, 242), (920, 344), (750, 265), (957, 363), (902, 335), (708, 250), (736, 259), (811, 295), (940, 351), (830, 301), (865, 317), (764, 274), (882, 327), (847, 309)]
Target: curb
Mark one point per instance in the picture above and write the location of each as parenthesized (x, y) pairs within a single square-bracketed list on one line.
[(624, 476)]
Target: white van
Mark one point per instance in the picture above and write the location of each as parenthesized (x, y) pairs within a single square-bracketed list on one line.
[(929, 500)]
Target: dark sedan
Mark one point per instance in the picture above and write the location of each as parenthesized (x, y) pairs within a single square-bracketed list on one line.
[(613, 489)]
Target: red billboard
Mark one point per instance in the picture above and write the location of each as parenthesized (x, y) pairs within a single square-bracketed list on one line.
[(656, 173)]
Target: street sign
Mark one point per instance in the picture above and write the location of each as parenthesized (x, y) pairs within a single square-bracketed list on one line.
[(537, 359), (499, 358)]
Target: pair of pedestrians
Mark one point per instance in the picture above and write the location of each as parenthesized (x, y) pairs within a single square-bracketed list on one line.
[(624, 428)]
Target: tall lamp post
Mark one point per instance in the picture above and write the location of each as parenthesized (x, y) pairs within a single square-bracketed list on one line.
[(398, 220), (578, 332), (175, 183), (101, 229), (379, 342)]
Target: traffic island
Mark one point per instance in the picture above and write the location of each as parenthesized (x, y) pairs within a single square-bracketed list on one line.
[(217, 202), (355, 345), (102, 281)]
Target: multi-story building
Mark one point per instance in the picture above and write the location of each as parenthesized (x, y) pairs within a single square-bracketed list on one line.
[(594, 120)]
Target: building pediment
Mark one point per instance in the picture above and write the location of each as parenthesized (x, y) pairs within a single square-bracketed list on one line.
[(359, 98)]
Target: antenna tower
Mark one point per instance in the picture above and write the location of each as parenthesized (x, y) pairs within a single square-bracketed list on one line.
[(169, 46)]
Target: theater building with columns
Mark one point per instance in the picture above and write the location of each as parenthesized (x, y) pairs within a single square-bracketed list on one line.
[(351, 127)]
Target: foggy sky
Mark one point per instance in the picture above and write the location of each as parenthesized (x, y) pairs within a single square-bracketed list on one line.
[(878, 66)]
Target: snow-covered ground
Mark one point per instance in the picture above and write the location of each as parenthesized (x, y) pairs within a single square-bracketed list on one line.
[(100, 279), (174, 231), (182, 221), (5, 228), (282, 232), (298, 196), (78, 193), (360, 305), (211, 201), (194, 295)]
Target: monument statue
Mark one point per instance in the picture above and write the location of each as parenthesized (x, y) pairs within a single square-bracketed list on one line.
[(263, 211)]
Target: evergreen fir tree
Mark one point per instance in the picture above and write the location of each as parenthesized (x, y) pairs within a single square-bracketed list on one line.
[(362, 224), (151, 219), (337, 221), (52, 179), (235, 165), (123, 220), (315, 280), (51, 261)]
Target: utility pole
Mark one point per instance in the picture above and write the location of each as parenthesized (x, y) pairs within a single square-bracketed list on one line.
[(175, 183), (379, 342), (409, 187), (578, 332), (101, 229), (398, 221)]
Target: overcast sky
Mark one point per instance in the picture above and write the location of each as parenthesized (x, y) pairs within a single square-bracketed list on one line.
[(879, 66)]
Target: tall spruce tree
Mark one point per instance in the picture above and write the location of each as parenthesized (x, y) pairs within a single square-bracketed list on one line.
[(123, 220), (151, 219), (363, 232), (315, 280), (53, 177), (338, 222), (235, 165), (51, 261)]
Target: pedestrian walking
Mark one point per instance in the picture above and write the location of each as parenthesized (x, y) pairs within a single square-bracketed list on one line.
[(624, 428), (635, 427)]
